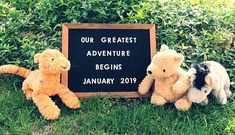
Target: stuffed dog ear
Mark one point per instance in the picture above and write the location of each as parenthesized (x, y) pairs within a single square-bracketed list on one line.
[(211, 80), (37, 57), (164, 48)]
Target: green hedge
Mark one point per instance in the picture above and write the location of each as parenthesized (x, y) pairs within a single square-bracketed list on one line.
[(200, 30)]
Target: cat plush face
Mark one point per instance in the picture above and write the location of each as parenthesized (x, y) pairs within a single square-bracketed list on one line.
[(52, 61)]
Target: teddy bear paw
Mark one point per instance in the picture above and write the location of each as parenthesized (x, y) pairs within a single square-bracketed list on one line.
[(177, 88), (142, 90), (159, 101), (182, 105)]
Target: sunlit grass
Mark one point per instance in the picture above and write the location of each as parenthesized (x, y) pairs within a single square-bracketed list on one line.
[(111, 116)]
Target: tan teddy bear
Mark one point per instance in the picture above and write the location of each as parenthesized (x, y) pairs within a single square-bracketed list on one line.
[(44, 82), (171, 82)]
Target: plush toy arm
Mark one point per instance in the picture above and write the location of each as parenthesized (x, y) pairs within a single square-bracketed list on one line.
[(68, 97), (145, 85), (46, 106), (182, 84)]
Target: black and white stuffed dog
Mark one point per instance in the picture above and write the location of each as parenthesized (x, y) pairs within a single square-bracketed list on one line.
[(207, 77)]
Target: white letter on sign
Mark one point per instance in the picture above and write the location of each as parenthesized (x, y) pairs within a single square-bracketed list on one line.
[(87, 39)]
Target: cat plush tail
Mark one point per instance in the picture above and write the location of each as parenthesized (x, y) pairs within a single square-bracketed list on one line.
[(13, 69)]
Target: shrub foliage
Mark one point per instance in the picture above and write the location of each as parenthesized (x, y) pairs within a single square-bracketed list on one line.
[(201, 30)]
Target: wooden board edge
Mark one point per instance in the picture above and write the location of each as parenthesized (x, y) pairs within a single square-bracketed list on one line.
[(107, 26), (65, 43), (153, 43), (111, 94)]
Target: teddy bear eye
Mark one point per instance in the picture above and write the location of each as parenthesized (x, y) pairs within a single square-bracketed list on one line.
[(164, 70), (52, 58)]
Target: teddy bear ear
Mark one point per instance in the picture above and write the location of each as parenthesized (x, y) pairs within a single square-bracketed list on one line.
[(164, 48), (179, 58), (37, 57)]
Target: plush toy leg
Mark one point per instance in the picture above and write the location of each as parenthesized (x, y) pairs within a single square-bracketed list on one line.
[(145, 85), (183, 104), (227, 90), (68, 97), (228, 93), (46, 106), (158, 100), (27, 91), (222, 98), (220, 95)]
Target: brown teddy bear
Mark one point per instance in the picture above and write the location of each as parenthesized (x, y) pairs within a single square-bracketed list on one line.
[(171, 82), (44, 82)]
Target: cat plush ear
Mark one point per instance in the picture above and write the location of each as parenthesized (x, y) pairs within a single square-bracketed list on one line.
[(37, 57), (164, 48)]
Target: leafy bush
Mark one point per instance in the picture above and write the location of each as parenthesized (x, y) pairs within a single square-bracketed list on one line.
[(201, 30)]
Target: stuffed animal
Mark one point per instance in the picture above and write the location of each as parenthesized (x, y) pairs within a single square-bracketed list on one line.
[(207, 77), (171, 83), (45, 82)]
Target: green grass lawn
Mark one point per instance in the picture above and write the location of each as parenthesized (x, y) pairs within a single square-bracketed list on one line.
[(110, 116)]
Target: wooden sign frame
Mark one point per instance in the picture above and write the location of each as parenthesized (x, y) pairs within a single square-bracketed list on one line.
[(65, 43)]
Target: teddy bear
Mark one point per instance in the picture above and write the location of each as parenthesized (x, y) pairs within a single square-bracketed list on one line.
[(44, 82), (171, 82), (209, 77)]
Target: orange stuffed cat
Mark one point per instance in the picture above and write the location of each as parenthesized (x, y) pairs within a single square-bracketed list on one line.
[(45, 81)]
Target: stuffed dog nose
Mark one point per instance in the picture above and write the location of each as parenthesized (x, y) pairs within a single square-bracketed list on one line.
[(149, 72)]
